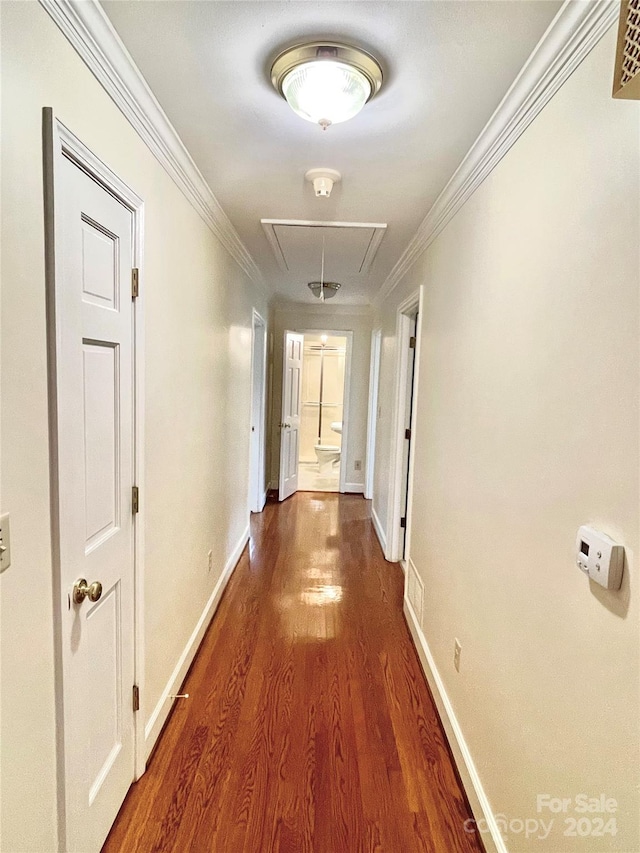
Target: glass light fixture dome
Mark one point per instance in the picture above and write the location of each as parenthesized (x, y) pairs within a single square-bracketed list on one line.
[(326, 83), (324, 289), (326, 92)]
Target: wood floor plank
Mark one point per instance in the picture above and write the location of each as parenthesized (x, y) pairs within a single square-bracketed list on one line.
[(309, 727)]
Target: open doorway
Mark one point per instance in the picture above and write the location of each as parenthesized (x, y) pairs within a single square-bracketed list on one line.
[(314, 426), (322, 415), (407, 424), (401, 474)]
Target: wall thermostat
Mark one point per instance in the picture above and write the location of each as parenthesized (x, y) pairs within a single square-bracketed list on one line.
[(598, 556)]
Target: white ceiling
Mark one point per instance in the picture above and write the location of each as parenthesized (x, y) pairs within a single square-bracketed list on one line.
[(447, 65)]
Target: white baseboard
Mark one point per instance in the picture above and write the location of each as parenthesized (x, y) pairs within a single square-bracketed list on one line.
[(160, 713), (379, 531), (262, 500), (357, 488), (493, 841)]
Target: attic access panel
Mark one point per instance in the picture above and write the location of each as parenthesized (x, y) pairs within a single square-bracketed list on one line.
[(350, 247)]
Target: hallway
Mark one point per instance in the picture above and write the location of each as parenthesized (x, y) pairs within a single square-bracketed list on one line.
[(309, 725)]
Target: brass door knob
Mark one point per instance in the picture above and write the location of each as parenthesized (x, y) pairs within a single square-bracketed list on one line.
[(82, 590)]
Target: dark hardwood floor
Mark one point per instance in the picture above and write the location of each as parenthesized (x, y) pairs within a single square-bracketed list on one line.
[(309, 727)]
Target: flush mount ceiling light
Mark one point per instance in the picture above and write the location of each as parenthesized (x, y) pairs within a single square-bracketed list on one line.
[(324, 289), (326, 82)]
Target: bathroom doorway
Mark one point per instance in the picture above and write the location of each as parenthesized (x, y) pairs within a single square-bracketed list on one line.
[(323, 421)]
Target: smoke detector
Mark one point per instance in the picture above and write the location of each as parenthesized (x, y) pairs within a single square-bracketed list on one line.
[(323, 181)]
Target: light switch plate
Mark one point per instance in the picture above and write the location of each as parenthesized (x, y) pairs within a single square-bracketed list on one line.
[(5, 542)]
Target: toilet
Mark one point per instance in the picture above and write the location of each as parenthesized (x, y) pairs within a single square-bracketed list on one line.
[(328, 455)]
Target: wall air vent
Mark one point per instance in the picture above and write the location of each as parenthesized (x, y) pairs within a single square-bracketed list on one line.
[(626, 81), (415, 591)]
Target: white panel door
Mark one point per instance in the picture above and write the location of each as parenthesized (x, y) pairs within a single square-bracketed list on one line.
[(257, 461), (94, 379), (291, 404)]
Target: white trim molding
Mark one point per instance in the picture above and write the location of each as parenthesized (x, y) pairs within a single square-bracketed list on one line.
[(372, 413), (90, 32), (478, 800), (573, 33), (258, 425), (164, 705), (317, 308), (354, 488), (377, 526)]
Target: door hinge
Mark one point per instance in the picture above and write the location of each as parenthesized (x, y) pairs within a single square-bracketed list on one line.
[(403, 522), (136, 697), (135, 500), (412, 342), (135, 283), (407, 433)]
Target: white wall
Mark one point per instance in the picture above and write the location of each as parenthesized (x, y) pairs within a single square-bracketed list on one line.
[(198, 333), (310, 317), (527, 427)]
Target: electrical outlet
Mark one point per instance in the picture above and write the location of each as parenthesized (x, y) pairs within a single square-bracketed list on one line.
[(5, 542), (357, 465), (210, 561), (457, 648)]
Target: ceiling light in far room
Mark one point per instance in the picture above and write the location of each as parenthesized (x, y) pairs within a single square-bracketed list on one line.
[(324, 289), (326, 82)]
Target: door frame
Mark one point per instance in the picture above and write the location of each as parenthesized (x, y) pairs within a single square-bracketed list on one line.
[(257, 479), (59, 143), (372, 420), (405, 311), (346, 398)]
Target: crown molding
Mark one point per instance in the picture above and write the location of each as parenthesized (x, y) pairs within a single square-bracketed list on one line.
[(90, 32), (573, 33), (285, 306)]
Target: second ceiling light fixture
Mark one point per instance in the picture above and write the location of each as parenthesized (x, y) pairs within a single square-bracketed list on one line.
[(326, 82)]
